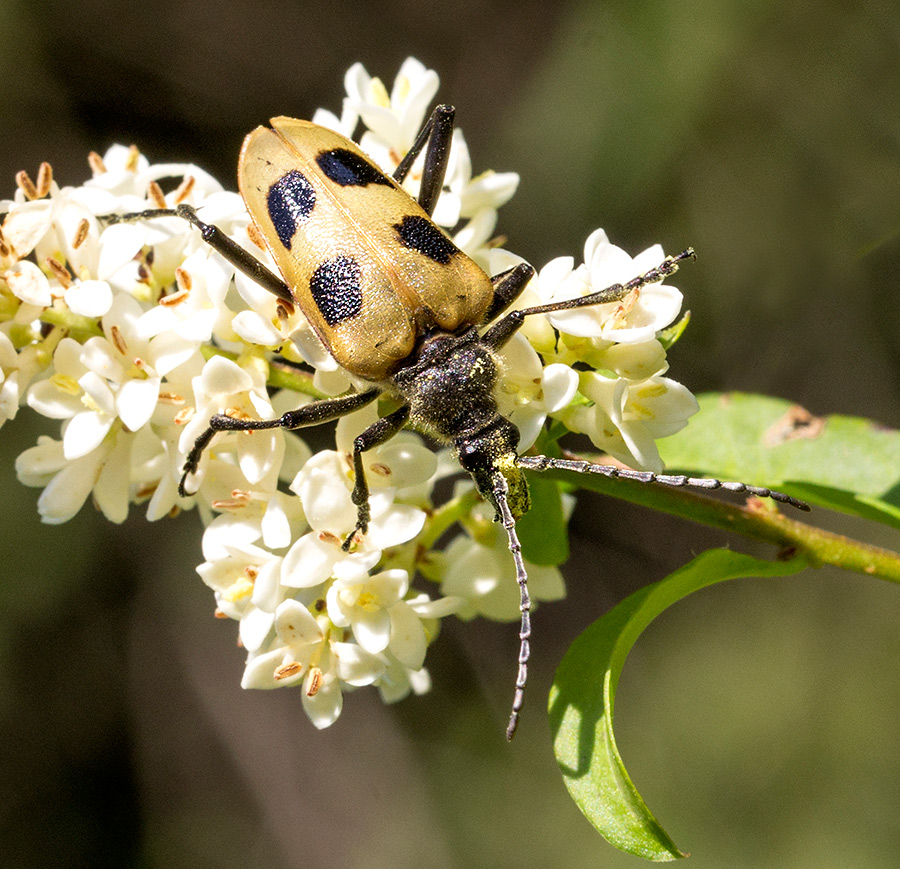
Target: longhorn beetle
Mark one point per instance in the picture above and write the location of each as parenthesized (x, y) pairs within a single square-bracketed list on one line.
[(399, 305)]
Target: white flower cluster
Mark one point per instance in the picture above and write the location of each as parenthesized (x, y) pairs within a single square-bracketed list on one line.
[(134, 334)]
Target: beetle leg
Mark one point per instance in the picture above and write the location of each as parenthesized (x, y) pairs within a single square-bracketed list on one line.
[(376, 434), (438, 132), (507, 326), (508, 287), (309, 414), (241, 259)]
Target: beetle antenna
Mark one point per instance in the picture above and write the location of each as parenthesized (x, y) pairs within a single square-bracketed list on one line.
[(500, 491), (546, 463)]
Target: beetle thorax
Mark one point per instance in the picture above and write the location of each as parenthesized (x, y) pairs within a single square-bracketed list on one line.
[(450, 385)]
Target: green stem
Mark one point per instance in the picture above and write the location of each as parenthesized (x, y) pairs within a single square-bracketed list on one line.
[(444, 516), (753, 520), (79, 327)]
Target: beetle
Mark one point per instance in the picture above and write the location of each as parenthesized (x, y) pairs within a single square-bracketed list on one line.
[(397, 304)]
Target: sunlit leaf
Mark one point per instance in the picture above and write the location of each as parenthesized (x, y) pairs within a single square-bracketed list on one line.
[(583, 694), (841, 462), (542, 529)]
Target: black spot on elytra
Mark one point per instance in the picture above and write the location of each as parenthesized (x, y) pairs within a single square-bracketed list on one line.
[(420, 234), (348, 169), (290, 201), (336, 288)]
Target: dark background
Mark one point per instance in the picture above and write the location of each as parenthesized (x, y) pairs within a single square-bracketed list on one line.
[(758, 719)]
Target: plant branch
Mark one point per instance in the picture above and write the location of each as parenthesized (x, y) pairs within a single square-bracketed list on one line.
[(757, 519)]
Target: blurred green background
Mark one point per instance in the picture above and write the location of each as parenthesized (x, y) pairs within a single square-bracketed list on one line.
[(759, 719)]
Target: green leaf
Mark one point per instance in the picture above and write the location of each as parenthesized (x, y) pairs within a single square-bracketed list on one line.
[(667, 337), (840, 462), (542, 530), (583, 694)]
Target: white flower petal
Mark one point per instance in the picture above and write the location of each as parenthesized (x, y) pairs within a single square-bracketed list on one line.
[(355, 665), (29, 283), (119, 244), (256, 329), (111, 491), (267, 592), (136, 401), (408, 641), (395, 526), (68, 490), (89, 298), (37, 465), (26, 224), (295, 624), (101, 358), (259, 671), (255, 628), (309, 562), (98, 396), (324, 707), (326, 499), (372, 630), (559, 385), (276, 526), (48, 399), (221, 376), (84, 433)]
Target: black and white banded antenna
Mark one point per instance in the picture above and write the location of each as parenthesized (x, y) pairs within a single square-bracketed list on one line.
[(546, 463), (500, 491)]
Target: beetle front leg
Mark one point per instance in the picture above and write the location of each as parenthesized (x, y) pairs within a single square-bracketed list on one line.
[(438, 133), (497, 336), (508, 286), (376, 434)]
